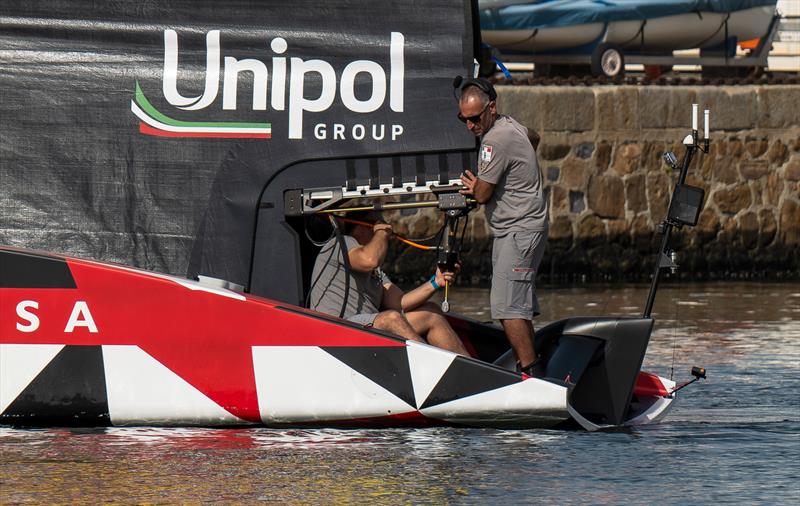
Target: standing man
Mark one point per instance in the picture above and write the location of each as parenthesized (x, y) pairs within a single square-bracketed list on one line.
[(357, 289), (509, 184)]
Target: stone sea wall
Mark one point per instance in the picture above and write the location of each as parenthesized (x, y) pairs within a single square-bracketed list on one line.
[(608, 188)]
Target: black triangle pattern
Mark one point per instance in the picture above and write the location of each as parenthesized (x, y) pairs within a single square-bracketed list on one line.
[(69, 392), (385, 365), (467, 377), (29, 270)]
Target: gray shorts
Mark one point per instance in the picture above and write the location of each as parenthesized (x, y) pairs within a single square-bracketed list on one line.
[(515, 260), (365, 319)]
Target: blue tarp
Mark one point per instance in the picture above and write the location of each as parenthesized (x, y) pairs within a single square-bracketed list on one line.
[(499, 15)]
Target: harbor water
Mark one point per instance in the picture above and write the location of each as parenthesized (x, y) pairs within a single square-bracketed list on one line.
[(733, 438)]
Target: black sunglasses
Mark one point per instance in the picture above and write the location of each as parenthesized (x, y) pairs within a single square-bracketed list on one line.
[(476, 118)]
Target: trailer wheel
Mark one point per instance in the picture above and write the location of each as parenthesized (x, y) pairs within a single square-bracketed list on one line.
[(607, 60)]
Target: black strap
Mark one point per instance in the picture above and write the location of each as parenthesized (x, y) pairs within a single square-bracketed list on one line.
[(350, 169), (374, 175), (346, 262), (397, 173), (420, 170), (444, 169)]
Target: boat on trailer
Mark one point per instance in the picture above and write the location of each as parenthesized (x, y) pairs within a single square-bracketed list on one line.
[(94, 344), (606, 34)]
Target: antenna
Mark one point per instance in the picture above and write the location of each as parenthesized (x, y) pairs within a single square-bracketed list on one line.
[(685, 206)]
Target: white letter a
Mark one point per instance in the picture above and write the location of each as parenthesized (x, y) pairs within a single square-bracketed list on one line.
[(80, 317)]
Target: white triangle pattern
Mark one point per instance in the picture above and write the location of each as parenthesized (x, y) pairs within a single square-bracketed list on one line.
[(19, 365), (306, 384), (143, 391), (531, 402), (427, 364)]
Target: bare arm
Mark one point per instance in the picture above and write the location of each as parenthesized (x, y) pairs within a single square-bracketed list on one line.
[(478, 188), (371, 255), (395, 298)]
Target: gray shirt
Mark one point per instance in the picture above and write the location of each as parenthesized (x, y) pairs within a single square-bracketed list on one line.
[(328, 283), (507, 160)]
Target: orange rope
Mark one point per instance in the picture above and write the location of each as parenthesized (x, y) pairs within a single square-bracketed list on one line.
[(396, 236)]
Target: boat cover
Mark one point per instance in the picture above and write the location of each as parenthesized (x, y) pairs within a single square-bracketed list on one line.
[(499, 15)]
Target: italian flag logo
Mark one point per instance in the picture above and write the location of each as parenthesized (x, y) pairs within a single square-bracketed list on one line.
[(155, 123)]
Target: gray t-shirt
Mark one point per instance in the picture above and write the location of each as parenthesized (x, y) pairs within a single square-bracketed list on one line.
[(328, 290), (507, 160)]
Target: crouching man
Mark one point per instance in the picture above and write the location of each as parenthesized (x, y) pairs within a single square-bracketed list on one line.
[(371, 298)]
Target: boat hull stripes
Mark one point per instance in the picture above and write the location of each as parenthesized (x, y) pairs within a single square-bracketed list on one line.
[(93, 344)]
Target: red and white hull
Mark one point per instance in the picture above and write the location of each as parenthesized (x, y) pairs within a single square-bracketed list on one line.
[(93, 344)]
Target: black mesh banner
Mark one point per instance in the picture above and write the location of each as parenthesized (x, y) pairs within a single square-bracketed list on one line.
[(144, 132)]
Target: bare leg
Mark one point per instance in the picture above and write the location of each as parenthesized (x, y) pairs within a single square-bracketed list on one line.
[(393, 321), (520, 335), (428, 320)]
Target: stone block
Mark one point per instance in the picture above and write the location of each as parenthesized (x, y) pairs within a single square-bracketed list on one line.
[(627, 158), (789, 225), (651, 155), (777, 106), (617, 108), (729, 232), (602, 157), (754, 169), (552, 173), (617, 231), (659, 192), (523, 103), (560, 234), (723, 163), (591, 230), (575, 173), (606, 195), (772, 189), (792, 170), (768, 226), (756, 147), (708, 225), (557, 108), (732, 108), (559, 204), (635, 195), (778, 153), (666, 107), (748, 229), (733, 200), (642, 233), (553, 151)]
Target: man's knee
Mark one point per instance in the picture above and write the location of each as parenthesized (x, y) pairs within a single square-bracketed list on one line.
[(390, 320)]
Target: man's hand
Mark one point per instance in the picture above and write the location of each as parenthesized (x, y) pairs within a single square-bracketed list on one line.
[(447, 276), (371, 255), (383, 227), (468, 179), (479, 189)]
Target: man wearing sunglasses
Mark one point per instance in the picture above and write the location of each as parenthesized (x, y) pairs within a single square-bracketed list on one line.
[(509, 184)]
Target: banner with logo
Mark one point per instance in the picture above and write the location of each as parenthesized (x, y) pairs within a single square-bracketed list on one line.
[(145, 132)]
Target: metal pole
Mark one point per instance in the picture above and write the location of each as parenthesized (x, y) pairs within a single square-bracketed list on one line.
[(380, 207), (667, 233)]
